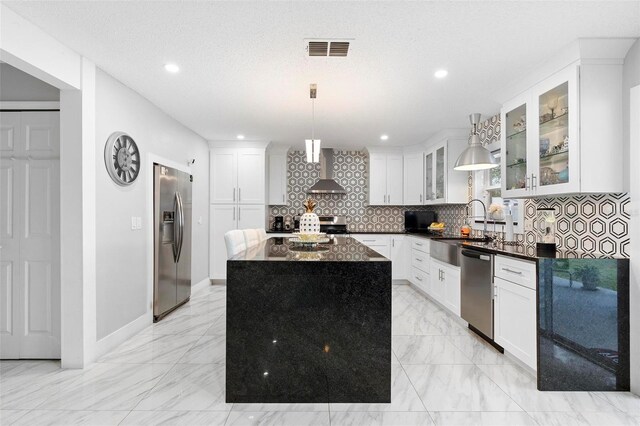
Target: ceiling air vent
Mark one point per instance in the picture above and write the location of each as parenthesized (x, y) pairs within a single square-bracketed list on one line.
[(328, 47), (318, 48), (339, 48)]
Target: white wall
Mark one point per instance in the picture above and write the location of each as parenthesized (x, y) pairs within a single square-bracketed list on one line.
[(122, 269), (20, 86), (631, 78)]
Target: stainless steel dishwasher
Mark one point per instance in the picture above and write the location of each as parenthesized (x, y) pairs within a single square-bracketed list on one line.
[(476, 290)]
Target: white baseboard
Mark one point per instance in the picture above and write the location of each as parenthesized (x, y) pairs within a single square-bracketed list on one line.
[(201, 285), (122, 334)]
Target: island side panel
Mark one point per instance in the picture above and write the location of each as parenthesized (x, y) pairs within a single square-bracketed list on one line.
[(321, 331)]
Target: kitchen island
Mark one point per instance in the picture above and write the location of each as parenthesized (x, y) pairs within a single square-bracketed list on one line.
[(308, 326)]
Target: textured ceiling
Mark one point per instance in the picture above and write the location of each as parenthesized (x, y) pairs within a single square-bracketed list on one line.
[(244, 70)]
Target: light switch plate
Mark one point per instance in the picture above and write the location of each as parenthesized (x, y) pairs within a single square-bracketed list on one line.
[(133, 223)]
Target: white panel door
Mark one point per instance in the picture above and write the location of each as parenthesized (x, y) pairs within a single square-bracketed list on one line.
[(437, 281), (224, 218), (223, 176), (277, 179), (515, 320), (30, 236), (413, 179), (451, 280), (377, 179), (251, 216), (395, 182), (398, 258), (251, 187)]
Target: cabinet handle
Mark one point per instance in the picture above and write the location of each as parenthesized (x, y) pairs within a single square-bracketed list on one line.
[(393, 242), (238, 213), (418, 278), (420, 197), (533, 185), (418, 259), (239, 197), (368, 241), (418, 244), (234, 213), (512, 271), (283, 198), (234, 195)]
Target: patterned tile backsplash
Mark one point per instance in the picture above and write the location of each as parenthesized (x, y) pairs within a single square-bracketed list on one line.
[(595, 223)]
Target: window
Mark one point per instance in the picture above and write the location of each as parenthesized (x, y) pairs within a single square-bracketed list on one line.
[(487, 187)]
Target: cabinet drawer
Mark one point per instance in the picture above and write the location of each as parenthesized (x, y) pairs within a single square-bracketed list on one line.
[(420, 279), (420, 260), (421, 244), (517, 271), (373, 240)]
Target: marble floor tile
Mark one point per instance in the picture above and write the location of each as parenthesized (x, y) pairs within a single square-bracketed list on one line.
[(623, 401), (68, 418), (14, 374), (212, 304), (149, 348), (218, 328), (403, 396), (107, 387), (278, 418), (448, 326), (427, 350), (380, 418), (192, 325), (458, 388), (175, 418), (207, 350), (410, 322), (280, 407), (482, 418), (9, 417), (188, 387), (521, 387), (612, 418), (477, 350)]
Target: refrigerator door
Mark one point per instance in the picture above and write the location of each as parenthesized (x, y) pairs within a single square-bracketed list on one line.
[(164, 286), (184, 249)]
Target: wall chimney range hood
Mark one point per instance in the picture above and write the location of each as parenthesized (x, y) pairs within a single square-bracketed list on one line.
[(326, 184)]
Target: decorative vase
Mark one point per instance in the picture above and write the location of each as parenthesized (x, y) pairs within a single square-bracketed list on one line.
[(309, 222)]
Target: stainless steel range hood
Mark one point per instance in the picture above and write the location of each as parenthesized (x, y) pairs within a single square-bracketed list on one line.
[(326, 184)]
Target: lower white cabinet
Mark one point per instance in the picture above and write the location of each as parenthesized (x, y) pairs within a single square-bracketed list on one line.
[(391, 246), (224, 218), (515, 320), (445, 285)]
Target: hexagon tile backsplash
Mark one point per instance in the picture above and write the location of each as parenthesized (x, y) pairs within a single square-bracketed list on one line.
[(586, 223)]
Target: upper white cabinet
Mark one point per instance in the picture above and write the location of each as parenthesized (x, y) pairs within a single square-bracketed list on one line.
[(277, 177), (414, 178), (443, 184), (237, 176), (564, 135), (385, 179)]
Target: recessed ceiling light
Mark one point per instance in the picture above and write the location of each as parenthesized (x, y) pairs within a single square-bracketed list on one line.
[(384, 137), (240, 137), (172, 68), (441, 73)]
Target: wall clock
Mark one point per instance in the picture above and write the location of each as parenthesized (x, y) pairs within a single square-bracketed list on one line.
[(122, 158)]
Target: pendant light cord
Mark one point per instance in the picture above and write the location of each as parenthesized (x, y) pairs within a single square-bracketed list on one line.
[(313, 119)]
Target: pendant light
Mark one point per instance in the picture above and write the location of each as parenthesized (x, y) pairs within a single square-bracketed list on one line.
[(313, 145), (475, 156)]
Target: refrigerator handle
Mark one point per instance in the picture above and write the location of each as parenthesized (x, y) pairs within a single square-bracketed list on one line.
[(176, 225), (180, 214)]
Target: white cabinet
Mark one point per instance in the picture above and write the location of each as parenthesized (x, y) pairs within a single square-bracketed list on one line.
[(418, 270), (443, 184), (515, 309), (224, 218), (237, 176), (390, 246), (414, 178), (385, 179), (553, 132), (277, 178), (445, 285)]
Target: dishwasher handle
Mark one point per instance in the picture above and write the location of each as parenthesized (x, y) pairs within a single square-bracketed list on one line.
[(475, 255)]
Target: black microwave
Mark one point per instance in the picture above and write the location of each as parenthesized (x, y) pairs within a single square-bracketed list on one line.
[(418, 221)]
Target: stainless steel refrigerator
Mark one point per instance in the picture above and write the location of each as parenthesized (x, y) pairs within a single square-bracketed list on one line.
[(172, 239)]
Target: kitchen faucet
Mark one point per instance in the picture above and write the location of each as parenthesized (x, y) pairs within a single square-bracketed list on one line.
[(484, 222)]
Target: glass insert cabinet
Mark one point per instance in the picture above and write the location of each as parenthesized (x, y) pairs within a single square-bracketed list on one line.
[(540, 137)]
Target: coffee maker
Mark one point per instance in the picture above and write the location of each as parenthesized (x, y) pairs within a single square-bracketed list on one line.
[(278, 224)]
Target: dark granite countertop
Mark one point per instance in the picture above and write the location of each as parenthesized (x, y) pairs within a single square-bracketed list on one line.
[(340, 249), (528, 252)]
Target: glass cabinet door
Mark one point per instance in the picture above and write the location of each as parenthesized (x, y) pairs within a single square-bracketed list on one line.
[(440, 172), (428, 176), (515, 163), (553, 144)]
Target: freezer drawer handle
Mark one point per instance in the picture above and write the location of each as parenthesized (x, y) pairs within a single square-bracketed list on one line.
[(512, 271), (469, 253), (418, 278), (418, 259)]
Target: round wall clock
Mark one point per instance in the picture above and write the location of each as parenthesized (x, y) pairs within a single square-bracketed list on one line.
[(122, 158)]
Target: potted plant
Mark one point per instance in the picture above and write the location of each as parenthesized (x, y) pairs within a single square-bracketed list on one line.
[(589, 275)]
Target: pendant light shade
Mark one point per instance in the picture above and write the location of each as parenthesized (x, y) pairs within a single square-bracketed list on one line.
[(475, 156)]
